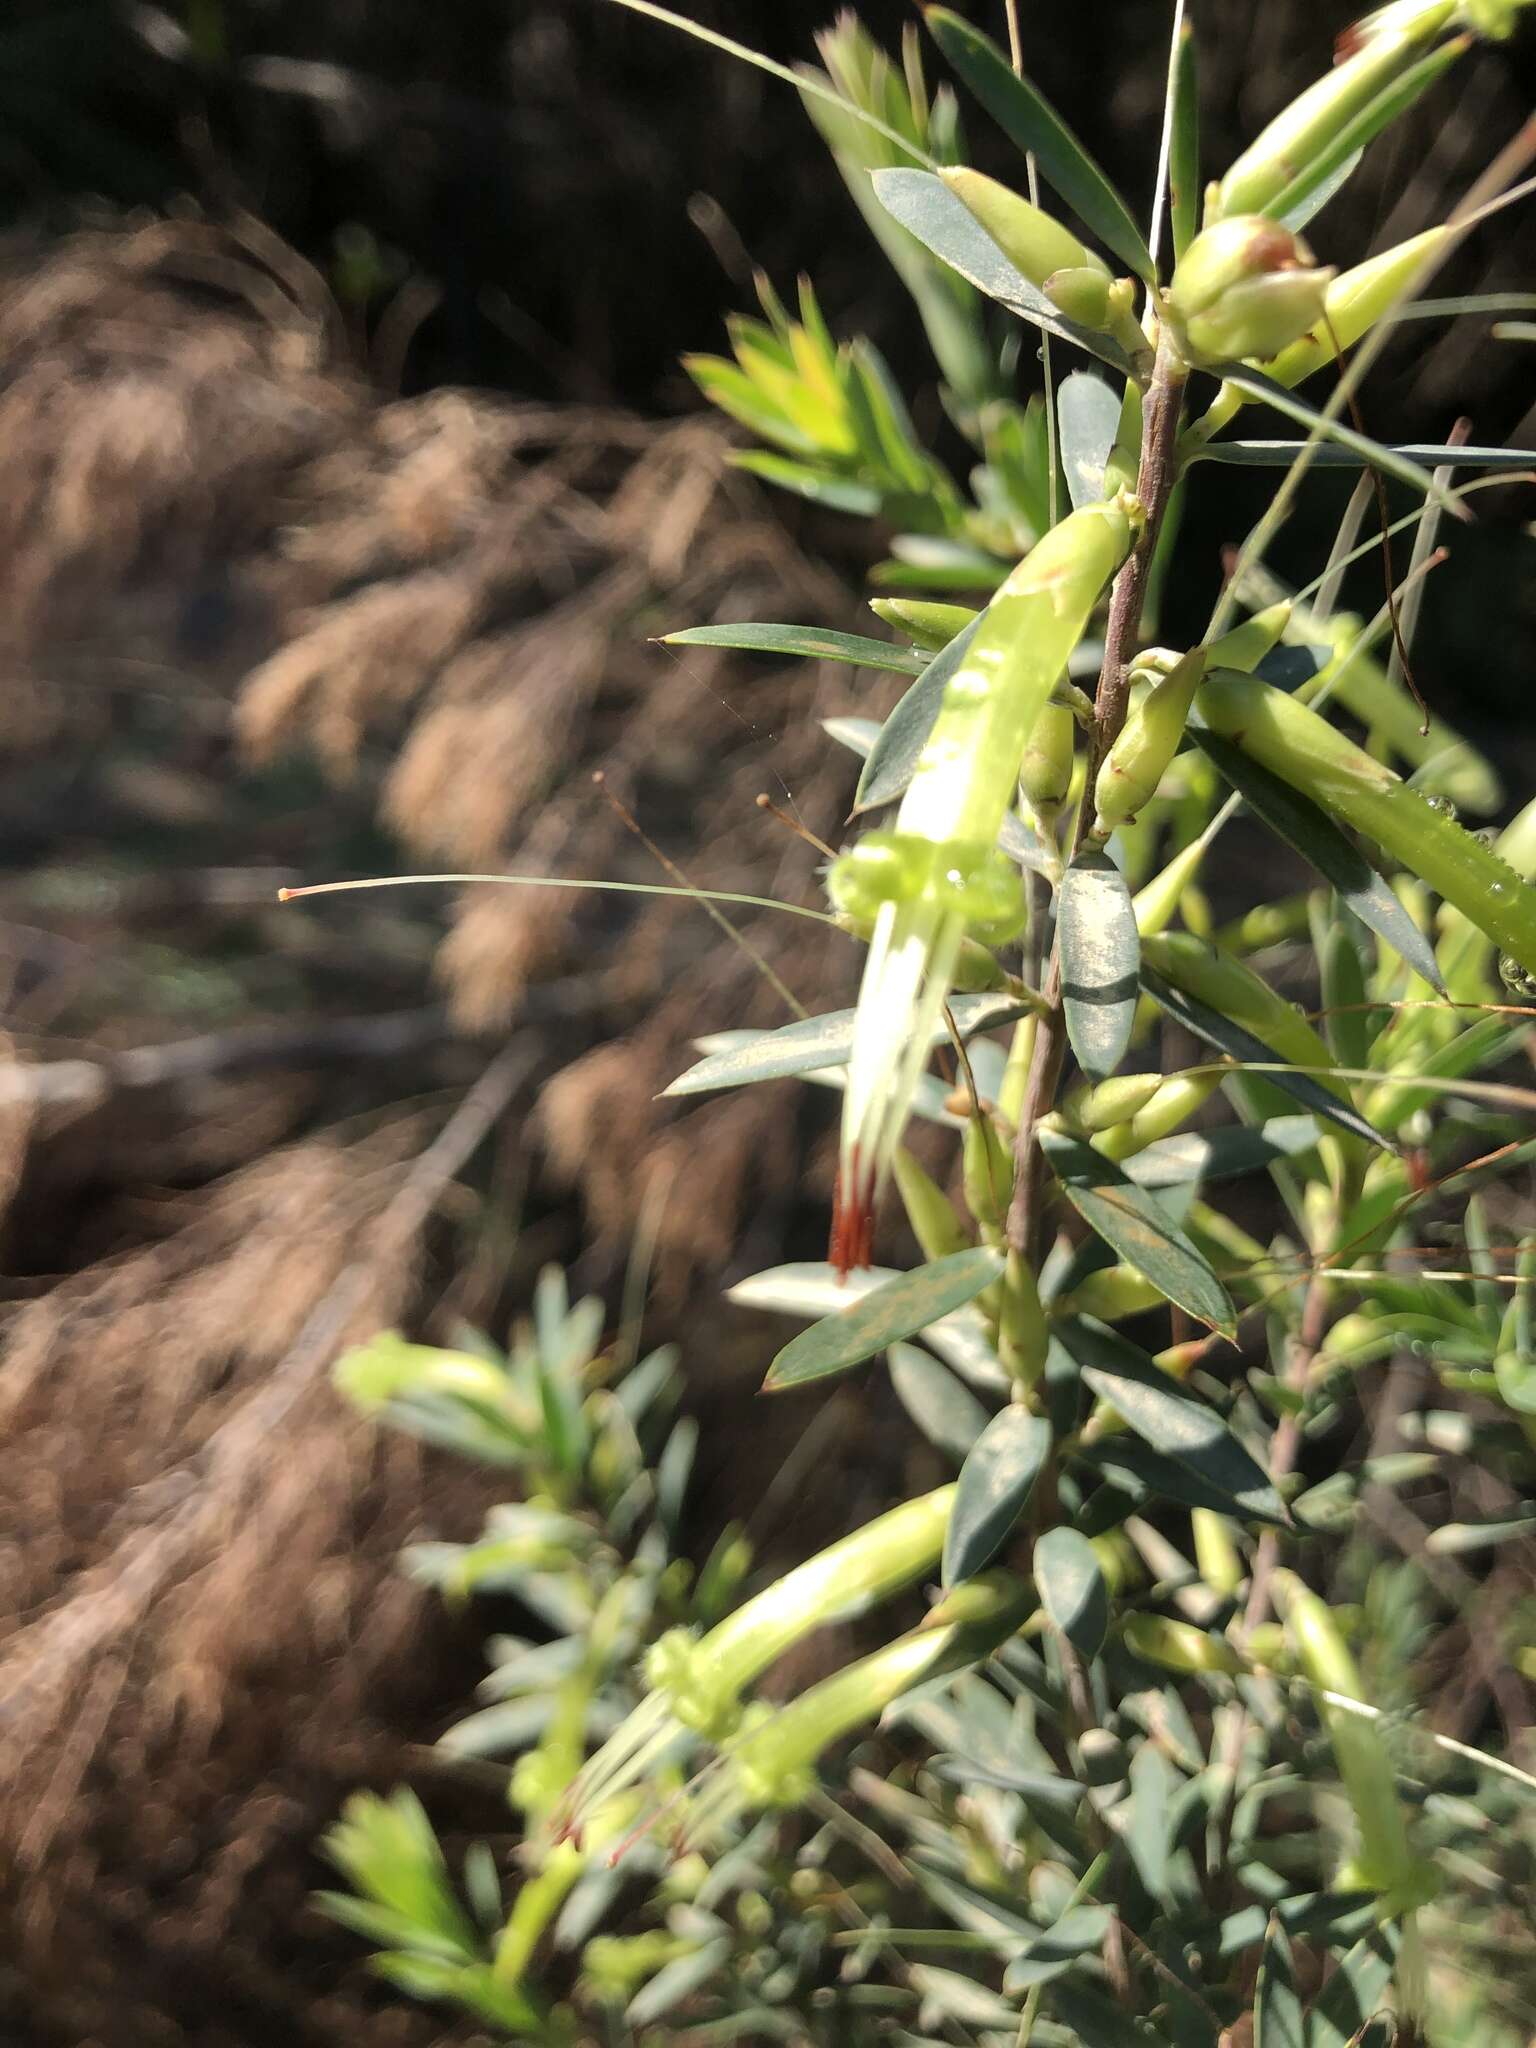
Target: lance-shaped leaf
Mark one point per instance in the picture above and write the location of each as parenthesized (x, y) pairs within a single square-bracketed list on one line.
[(1254, 384), (899, 1308), (1088, 414), (1263, 454), (1078, 1931), (811, 642), (1071, 1588), (1184, 140), (993, 1490), (1137, 1226), (1036, 127), (948, 1414), (1354, 1993), (940, 220), (1138, 1473), (1306, 826), (813, 1288), (1239, 1044), (1279, 2020), (815, 1043), (1199, 1156), (1171, 1419), (1100, 954)]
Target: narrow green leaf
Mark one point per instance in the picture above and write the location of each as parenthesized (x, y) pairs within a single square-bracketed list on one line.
[(1200, 1156), (1032, 123), (927, 208), (1184, 198), (1078, 1932), (1040, 1787), (948, 1414), (1088, 416), (995, 1484), (837, 493), (892, 760), (1307, 827), (899, 1308), (1254, 384), (1138, 1473), (1239, 1044), (1278, 2017), (810, 641), (1149, 1834), (858, 735), (1071, 1588), (1139, 1228), (674, 1981), (1166, 1415), (1100, 954), (814, 1043)]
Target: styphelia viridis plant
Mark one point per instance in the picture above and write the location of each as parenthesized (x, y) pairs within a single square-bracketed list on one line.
[(1162, 1769)]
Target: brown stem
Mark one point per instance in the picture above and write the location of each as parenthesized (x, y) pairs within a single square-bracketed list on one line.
[(1154, 485)]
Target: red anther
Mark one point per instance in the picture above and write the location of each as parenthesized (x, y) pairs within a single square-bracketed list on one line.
[(853, 1219)]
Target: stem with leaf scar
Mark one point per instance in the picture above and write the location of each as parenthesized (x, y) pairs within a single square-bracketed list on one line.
[(1156, 475)]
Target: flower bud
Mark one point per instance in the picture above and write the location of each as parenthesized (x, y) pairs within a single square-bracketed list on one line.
[(1114, 1101), (1246, 645), (988, 1171), (1246, 287), (1229, 986), (1215, 1552), (1353, 302), (1045, 775), (976, 883), (1179, 1645), (1033, 242), (1175, 1102), (1146, 745), (1023, 1333), (1384, 45), (1082, 295)]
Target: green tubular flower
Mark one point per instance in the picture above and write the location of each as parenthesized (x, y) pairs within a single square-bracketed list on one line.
[(937, 872), (697, 1683), (1305, 750), (1111, 1102), (1382, 46), (1246, 287), (1146, 745), (1175, 1102)]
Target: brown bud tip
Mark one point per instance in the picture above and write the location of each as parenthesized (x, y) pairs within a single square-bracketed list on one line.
[(763, 800)]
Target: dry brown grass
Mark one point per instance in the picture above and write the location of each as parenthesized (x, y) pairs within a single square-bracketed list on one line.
[(445, 602)]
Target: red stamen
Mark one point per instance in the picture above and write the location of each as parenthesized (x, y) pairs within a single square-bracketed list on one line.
[(853, 1218)]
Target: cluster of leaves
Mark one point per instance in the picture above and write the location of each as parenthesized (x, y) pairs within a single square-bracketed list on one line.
[(1145, 1810)]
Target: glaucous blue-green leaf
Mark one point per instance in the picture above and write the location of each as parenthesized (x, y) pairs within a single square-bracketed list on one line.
[(926, 208), (1306, 826), (858, 735), (1088, 416), (813, 1288), (1136, 1225), (995, 1484), (1150, 1824), (1353, 1995), (1080, 1930), (812, 642), (1239, 1044), (676, 1980), (1375, 454), (1133, 1469), (892, 760), (1033, 124), (1200, 1156), (897, 1308), (1100, 953), (947, 1413), (1071, 1586), (1170, 1418), (1262, 454), (814, 1043)]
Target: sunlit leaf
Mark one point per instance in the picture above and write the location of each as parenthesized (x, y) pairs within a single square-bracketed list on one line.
[(1100, 953), (1071, 1586), (1278, 2018), (947, 1413), (1088, 419), (897, 1308), (811, 642), (814, 1043)]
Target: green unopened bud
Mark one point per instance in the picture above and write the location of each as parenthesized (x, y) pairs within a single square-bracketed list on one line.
[(1111, 1295), (930, 625), (1246, 287), (1147, 743), (930, 1212), (1045, 774), (1082, 295), (1216, 1553), (1230, 986), (1353, 302), (1383, 46), (1113, 1101), (1175, 1102), (1179, 1645), (1246, 645), (1032, 241), (975, 882), (1023, 1333)]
